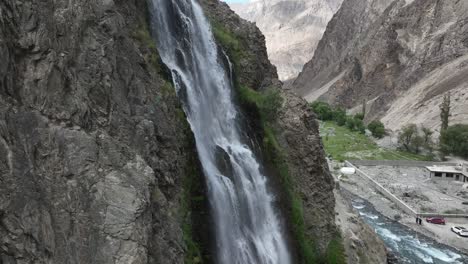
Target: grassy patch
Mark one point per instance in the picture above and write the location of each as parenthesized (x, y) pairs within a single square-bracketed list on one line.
[(232, 44), (336, 251), (267, 102), (143, 36), (344, 144)]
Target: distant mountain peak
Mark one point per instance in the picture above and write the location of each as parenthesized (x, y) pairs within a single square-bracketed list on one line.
[(292, 29)]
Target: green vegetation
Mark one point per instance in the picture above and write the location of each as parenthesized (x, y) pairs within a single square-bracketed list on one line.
[(335, 251), (232, 44), (414, 140), (355, 124), (377, 129), (325, 112), (191, 183), (342, 143), (143, 36), (454, 140), (445, 112), (277, 157), (267, 102)]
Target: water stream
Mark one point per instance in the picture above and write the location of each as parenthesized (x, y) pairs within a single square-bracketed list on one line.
[(407, 245), (247, 227)]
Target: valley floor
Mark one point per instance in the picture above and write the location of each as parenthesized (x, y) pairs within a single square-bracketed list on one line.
[(420, 201), (343, 144)]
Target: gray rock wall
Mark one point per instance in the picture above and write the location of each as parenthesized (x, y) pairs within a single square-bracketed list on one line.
[(92, 149)]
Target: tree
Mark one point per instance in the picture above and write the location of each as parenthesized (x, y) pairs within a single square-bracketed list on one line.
[(416, 143), (323, 110), (359, 116), (359, 126), (445, 112), (350, 123), (407, 135), (339, 115), (454, 140), (364, 105), (427, 138), (377, 129)]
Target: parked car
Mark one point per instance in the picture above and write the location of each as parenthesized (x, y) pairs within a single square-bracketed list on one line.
[(461, 231), (436, 220)]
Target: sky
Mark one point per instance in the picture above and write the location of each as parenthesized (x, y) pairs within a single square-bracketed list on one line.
[(236, 1)]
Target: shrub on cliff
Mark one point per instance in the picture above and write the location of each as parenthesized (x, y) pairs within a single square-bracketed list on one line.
[(267, 102)]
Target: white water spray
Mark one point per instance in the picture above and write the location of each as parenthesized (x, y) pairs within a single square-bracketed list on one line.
[(248, 230)]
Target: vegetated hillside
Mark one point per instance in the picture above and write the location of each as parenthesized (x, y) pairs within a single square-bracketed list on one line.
[(399, 56), (292, 29)]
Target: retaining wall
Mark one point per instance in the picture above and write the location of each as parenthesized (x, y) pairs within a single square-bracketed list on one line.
[(400, 163)]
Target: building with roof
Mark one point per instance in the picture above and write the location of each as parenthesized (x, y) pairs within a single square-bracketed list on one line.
[(453, 173)]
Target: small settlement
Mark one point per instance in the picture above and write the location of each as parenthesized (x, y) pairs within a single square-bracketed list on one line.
[(450, 173)]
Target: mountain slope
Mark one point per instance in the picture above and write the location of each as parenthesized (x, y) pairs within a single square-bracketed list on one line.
[(292, 29), (399, 56)]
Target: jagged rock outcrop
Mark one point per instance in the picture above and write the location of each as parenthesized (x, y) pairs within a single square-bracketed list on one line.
[(94, 146), (313, 183), (399, 56), (92, 149), (292, 29)]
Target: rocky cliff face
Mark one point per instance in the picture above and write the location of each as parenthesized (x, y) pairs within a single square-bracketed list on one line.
[(399, 56), (292, 29), (94, 148)]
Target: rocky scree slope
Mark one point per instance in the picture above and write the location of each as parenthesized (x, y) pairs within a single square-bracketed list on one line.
[(94, 149), (400, 56), (292, 29)]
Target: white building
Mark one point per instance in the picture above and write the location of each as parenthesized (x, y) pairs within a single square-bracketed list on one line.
[(454, 173)]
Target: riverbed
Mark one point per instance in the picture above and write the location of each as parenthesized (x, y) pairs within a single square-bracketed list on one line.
[(408, 245)]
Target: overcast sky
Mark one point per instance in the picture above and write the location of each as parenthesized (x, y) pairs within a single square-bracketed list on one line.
[(236, 1)]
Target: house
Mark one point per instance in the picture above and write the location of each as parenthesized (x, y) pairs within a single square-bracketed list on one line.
[(454, 173)]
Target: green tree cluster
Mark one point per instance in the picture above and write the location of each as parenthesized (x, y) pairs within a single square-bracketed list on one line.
[(454, 140), (325, 112), (377, 129), (413, 139)]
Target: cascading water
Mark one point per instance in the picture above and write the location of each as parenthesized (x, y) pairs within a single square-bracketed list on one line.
[(247, 228)]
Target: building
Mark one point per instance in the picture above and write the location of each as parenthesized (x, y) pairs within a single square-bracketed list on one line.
[(454, 173)]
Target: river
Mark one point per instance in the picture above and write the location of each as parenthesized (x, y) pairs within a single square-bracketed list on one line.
[(408, 245)]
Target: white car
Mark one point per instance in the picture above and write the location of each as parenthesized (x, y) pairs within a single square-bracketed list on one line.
[(461, 231)]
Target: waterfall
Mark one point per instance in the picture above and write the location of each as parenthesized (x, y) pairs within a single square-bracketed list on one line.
[(247, 228)]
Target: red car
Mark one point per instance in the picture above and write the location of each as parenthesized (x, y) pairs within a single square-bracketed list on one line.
[(436, 220)]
